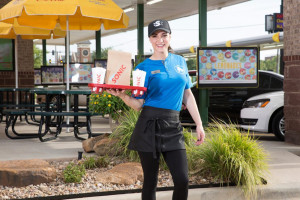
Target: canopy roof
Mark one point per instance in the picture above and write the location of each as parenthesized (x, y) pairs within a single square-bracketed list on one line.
[(165, 9)]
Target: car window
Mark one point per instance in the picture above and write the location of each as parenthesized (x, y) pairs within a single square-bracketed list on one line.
[(264, 81), (276, 83)]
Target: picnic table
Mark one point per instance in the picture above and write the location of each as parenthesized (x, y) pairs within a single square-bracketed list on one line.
[(47, 115)]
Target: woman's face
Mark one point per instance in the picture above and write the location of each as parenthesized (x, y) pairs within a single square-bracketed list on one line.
[(160, 41)]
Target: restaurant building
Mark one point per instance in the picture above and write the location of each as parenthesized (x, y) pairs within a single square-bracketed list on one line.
[(291, 68)]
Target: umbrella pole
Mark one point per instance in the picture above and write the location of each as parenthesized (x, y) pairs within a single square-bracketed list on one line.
[(16, 69), (68, 66)]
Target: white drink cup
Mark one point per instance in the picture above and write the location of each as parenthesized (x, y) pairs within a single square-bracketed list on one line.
[(98, 74), (138, 78)]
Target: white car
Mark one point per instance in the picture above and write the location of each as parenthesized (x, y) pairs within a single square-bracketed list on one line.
[(264, 113)]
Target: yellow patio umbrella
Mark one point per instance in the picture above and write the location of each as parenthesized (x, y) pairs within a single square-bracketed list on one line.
[(70, 14), (12, 31), (80, 14)]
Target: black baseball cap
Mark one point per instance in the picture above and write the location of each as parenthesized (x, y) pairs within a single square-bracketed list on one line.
[(158, 24)]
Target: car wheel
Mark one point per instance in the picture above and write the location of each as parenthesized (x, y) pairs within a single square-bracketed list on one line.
[(278, 125)]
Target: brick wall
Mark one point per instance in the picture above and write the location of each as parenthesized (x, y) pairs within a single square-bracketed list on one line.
[(25, 60), (292, 70)]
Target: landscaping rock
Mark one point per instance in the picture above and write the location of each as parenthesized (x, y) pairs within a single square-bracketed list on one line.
[(88, 144), (105, 147), (19, 173), (125, 173)]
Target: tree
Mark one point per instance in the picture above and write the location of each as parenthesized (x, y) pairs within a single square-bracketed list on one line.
[(269, 65), (38, 56), (191, 63), (104, 53)]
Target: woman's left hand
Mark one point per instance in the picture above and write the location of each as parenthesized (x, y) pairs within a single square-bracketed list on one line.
[(200, 135), (116, 92)]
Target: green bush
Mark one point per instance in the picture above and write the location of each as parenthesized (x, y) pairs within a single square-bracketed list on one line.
[(123, 133), (106, 103), (89, 162), (94, 162), (102, 161), (73, 173), (232, 157)]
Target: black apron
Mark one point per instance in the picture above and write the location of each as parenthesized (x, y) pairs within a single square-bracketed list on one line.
[(157, 130)]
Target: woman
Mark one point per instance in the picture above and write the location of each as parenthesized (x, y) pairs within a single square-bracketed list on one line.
[(158, 129)]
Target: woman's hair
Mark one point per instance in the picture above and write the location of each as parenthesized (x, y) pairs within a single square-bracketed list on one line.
[(170, 49)]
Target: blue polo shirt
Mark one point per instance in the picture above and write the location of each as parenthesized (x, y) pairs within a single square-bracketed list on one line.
[(166, 81)]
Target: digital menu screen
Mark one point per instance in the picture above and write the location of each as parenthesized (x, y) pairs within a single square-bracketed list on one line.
[(52, 74), (37, 77), (227, 66), (79, 73)]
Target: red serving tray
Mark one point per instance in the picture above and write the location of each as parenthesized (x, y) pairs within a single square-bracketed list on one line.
[(135, 90)]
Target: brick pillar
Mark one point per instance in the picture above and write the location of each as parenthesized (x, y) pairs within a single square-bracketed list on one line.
[(292, 70)]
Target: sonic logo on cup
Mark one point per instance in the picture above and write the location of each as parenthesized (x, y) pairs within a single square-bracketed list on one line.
[(98, 78), (138, 80), (118, 74)]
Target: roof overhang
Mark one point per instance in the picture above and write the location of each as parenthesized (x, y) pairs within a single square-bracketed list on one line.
[(166, 9)]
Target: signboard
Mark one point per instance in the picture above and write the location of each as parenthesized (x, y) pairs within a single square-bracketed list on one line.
[(79, 73), (52, 74), (37, 77), (6, 55), (227, 66), (274, 22), (278, 22)]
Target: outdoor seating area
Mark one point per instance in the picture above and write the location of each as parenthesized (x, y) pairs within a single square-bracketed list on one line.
[(20, 104)]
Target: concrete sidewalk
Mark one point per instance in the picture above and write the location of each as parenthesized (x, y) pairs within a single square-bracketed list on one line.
[(283, 181)]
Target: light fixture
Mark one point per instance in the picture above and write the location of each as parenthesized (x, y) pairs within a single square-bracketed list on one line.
[(129, 9), (153, 2)]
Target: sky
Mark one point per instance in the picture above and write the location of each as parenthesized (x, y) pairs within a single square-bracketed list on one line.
[(230, 23)]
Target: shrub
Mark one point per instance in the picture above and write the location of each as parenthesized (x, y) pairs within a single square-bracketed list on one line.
[(231, 157), (89, 162), (123, 133), (73, 173), (94, 162), (102, 161), (106, 103)]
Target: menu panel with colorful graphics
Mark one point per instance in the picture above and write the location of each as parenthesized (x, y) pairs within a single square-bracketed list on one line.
[(52, 75), (228, 67), (79, 73)]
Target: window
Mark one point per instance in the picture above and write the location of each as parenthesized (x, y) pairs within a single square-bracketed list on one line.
[(264, 81), (276, 83)]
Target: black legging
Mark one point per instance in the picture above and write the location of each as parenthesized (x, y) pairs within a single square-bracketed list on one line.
[(177, 163)]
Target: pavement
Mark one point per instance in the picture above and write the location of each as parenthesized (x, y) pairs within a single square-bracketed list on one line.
[(284, 161)]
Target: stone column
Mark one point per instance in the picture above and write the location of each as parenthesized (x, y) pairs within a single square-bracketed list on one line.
[(292, 70)]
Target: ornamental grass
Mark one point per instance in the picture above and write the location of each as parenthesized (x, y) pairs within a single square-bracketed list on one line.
[(232, 157)]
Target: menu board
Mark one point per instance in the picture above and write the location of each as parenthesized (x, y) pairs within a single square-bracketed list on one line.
[(37, 77), (6, 55), (52, 74), (79, 73), (228, 66)]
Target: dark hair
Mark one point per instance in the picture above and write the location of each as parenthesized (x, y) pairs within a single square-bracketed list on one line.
[(170, 49)]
